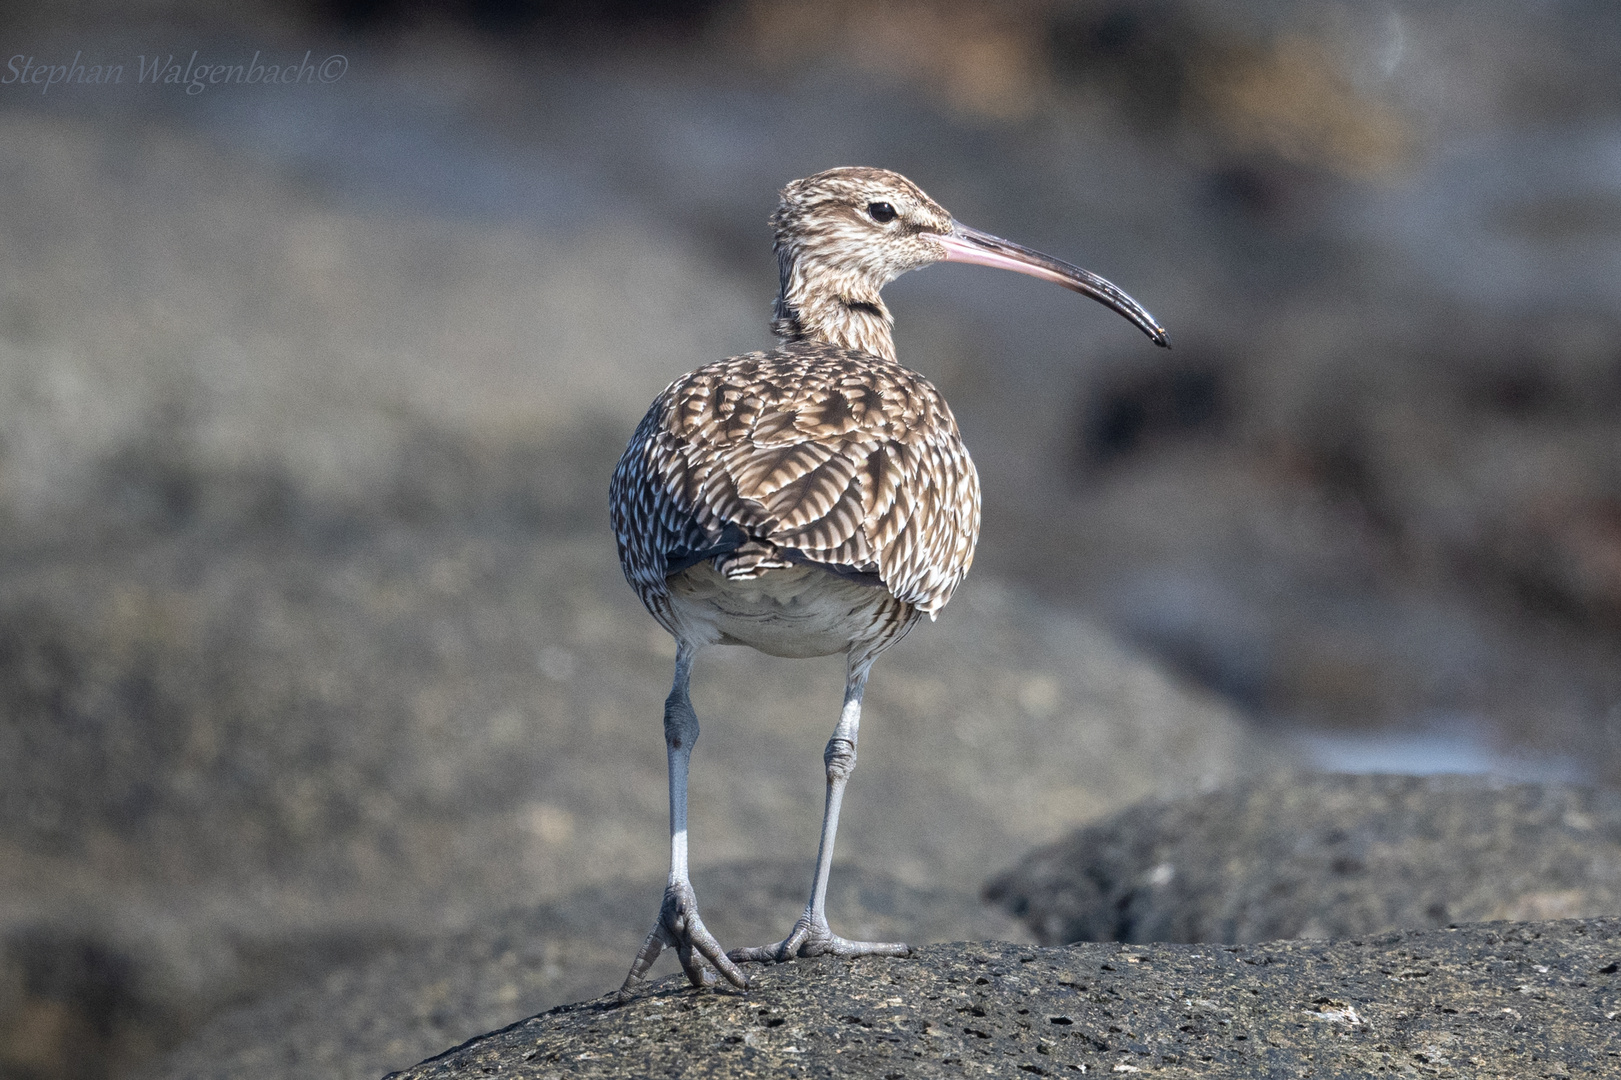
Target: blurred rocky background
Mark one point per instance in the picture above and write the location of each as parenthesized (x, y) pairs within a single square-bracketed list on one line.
[(311, 636)]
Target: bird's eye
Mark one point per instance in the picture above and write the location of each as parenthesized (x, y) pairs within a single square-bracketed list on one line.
[(881, 212)]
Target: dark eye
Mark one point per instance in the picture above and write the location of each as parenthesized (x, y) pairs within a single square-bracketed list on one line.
[(881, 211)]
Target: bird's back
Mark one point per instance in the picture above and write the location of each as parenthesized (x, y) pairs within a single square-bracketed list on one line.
[(807, 456)]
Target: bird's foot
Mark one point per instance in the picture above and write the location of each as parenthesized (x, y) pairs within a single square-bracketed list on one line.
[(812, 937), (679, 927)]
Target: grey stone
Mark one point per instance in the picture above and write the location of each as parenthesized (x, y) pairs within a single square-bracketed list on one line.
[(1492, 1000), (1324, 855), (312, 638), (232, 750), (360, 1020)]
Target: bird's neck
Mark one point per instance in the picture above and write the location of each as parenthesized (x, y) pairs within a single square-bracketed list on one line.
[(848, 317)]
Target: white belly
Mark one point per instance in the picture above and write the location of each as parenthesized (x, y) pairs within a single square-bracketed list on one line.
[(798, 611)]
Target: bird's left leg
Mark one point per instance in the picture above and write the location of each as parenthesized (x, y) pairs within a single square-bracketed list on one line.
[(811, 936)]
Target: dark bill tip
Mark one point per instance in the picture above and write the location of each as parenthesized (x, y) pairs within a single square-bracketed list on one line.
[(968, 245)]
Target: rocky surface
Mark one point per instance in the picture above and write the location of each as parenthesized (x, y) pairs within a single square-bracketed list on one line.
[(1324, 855), (312, 639), (232, 758), (1374, 483), (1500, 1000), (240, 765), (328, 649), (364, 1019), (1289, 855), (310, 635)]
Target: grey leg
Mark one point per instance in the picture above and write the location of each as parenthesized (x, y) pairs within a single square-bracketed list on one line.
[(678, 925), (811, 935)]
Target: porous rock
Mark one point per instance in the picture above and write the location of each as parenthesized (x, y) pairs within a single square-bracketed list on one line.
[(1527, 999), (367, 1017), (1324, 855)]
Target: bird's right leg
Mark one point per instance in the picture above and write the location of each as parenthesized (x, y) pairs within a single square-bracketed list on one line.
[(811, 935), (678, 924)]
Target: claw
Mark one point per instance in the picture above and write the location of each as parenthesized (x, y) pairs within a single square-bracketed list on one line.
[(811, 937), (679, 927)]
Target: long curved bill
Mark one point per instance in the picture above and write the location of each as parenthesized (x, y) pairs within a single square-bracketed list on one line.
[(968, 245)]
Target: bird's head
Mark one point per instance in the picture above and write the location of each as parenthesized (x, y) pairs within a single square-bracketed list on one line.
[(857, 229), (843, 234)]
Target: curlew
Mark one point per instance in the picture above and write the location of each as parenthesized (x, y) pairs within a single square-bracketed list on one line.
[(811, 500)]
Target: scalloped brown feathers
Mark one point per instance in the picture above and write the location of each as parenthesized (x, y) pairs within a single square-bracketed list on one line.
[(811, 454)]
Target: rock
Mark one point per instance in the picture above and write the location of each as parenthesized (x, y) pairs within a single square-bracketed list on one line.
[(1323, 855), (276, 721), (311, 630), (310, 634), (1508, 1000), (231, 751), (361, 1020)]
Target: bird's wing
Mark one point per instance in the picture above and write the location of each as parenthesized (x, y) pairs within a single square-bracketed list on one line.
[(805, 455)]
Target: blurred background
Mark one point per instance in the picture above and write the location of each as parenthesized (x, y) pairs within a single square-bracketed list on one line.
[(311, 635)]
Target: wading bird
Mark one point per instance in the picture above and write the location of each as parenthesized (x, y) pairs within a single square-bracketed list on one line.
[(812, 500)]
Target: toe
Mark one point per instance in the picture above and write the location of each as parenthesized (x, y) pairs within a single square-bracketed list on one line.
[(679, 927), (697, 943), (703, 945), (757, 954), (842, 947), (786, 949)]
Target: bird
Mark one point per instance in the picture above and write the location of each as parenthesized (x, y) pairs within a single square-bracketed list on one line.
[(807, 501)]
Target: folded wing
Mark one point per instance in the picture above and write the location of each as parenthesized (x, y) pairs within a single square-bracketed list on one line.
[(805, 455)]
